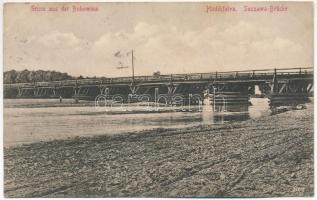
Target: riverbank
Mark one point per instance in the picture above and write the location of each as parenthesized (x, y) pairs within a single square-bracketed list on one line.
[(45, 103), (264, 157), (53, 103)]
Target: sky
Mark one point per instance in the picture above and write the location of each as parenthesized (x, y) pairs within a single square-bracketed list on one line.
[(166, 37)]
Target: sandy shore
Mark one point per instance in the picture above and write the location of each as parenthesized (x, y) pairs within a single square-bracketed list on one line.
[(266, 157)]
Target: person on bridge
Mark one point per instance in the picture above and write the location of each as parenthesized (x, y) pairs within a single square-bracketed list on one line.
[(60, 99)]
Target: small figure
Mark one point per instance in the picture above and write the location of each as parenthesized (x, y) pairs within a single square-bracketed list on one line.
[(60, 99)]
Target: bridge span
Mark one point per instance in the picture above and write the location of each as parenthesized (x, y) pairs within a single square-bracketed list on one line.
[(233, 87)]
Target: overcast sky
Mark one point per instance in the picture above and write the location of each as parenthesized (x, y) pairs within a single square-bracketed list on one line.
[(166, 37)]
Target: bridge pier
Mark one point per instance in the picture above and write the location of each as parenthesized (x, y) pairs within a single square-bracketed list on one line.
[(76, 93), (35, 91), (290, 92), (171, 89), (55, 91), (19, 92), (192, 93), (226, 96)]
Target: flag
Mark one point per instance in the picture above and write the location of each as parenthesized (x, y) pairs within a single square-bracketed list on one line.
[(117, 54), (124, 59)]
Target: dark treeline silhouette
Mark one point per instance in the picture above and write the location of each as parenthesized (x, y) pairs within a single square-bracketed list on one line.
[(27, 76)]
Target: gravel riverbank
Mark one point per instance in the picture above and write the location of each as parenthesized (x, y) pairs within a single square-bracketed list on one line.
[(266, 157)]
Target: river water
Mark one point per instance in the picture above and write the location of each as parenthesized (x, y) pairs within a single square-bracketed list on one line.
[(26, 124)]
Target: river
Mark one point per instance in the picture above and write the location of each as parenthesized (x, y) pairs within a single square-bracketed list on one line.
[(26, 124)]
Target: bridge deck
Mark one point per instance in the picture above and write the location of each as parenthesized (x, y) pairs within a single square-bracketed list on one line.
[(229, 76)]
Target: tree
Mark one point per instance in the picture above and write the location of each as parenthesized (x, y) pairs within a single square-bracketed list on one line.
[(10, 76), (23, 77)]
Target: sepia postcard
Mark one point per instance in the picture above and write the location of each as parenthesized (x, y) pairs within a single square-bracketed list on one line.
[(158, 99)]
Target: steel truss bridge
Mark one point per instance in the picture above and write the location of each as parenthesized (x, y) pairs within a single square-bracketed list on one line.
[(280, 85)]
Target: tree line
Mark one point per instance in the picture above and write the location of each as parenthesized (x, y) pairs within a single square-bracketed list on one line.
[(29, 76), (26, 76)]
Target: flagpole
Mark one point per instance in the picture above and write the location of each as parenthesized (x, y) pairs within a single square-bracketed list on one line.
[(132, 66)]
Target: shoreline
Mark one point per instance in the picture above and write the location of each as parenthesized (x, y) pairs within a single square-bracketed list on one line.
[(266, 157)]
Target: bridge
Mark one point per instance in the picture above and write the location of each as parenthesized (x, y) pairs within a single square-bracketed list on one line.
[(234, 87)]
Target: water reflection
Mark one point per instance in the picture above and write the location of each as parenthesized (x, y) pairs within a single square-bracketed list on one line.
[(219, 114), (259, 107)]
